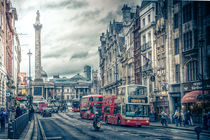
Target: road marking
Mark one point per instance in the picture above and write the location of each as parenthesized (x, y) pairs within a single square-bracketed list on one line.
[(42, 130), (52, 138)]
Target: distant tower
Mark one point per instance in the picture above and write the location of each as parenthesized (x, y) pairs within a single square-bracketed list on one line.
[(38, 27), (87, 71)]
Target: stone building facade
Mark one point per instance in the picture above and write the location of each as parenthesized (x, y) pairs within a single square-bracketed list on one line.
[(117, 53), (8, 77), (146, 33), (110, 50), (188, 28)]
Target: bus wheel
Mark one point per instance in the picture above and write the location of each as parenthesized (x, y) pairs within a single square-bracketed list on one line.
[(106, 120), (118, 121), (88, 117)]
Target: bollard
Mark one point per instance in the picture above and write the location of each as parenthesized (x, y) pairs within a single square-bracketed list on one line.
[(198, 131), (10, 131)]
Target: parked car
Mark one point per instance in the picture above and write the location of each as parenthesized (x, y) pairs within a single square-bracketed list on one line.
[(47, 112)]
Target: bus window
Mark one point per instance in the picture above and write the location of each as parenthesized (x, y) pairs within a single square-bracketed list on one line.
[(91, 99), (133, 110), (91, 109), (117, 110), (107, 109), (97, 98), (136, 90)]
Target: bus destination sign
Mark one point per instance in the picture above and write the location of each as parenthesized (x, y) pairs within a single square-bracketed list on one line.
[(137, 100)]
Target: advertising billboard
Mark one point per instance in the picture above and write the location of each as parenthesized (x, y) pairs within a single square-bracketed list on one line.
[(22, 78)]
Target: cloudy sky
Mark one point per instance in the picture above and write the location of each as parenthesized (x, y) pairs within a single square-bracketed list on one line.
[(70, 32)]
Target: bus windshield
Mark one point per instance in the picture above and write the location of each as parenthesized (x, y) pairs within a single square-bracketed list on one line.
[(136, 90), (133, 110)]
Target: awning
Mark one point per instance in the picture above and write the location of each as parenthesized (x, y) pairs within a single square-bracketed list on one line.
[(191, 97)]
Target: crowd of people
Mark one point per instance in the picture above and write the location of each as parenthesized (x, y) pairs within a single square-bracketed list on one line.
[(181, 118), (11, 114)]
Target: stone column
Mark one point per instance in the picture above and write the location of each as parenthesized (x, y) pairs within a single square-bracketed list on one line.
[(37, 27)]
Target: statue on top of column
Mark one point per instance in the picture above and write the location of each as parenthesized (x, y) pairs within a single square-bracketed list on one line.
[(37, 17)]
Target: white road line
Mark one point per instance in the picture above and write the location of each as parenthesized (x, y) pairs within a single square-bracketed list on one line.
[(42, 130)]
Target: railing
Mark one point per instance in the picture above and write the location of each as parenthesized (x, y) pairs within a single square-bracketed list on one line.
[(16, 127)]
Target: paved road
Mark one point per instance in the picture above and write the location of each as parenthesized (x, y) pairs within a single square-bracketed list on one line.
[(67, 126)]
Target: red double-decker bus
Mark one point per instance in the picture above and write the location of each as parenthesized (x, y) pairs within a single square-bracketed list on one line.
[(89, 105), (129, 107), (75, 105)]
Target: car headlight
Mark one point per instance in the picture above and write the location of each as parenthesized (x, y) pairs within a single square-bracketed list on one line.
[(147, 121)]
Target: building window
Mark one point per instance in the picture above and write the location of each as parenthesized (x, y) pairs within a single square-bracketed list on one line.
[(143, 21), (177, 69), (149, 36), (187, 15), (192, 71), (150, 57), (148, 18), (144, 39), (188, 40), (176, 45), (176, 18)]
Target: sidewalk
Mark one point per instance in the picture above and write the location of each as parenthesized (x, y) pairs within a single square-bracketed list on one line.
[(3, 135), (25, 134), (173, 126)]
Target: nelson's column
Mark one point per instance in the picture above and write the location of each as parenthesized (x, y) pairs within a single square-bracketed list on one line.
[(38, 27), (39, 82)]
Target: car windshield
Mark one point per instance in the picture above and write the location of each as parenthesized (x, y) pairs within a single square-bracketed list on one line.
[(136, 90), (132, 110)]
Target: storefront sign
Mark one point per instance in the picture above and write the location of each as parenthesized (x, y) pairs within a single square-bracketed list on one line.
[(192, 86)]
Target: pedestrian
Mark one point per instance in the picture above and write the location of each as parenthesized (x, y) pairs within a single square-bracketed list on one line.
[(23, 110), (188, 118), (204, 121), (3, 117), (31, 113), (12, 114), (182, 118), (208, 120), (163, 118), (176, 117), (18, 112)]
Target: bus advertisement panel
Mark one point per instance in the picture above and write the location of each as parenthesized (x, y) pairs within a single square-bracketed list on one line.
[(75, 105), (129, 107), (89, 105)]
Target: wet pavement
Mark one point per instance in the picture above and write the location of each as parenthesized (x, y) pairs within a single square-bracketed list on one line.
[(67, 126)]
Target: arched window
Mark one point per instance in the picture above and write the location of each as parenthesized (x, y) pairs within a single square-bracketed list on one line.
[(192, 71)]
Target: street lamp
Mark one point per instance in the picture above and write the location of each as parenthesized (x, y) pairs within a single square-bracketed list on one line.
[(29, 78), (202, 79)]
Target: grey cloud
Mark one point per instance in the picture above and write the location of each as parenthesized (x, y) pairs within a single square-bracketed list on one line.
[(70, 4), (57, 53), (85, 16), (77, 4), (79, 55), (109, 17)]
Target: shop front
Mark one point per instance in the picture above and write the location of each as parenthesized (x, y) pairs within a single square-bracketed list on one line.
[(160, 104), (196, 104)]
